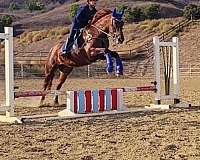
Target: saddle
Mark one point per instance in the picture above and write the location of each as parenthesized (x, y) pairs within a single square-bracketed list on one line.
[(78, 43)]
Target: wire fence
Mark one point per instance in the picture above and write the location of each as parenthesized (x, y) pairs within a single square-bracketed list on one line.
[(132, 70)]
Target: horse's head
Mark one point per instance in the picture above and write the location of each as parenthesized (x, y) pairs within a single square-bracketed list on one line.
[(116, 27), (110, 23)]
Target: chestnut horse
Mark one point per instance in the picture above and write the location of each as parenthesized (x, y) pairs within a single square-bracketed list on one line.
[(94, 44)]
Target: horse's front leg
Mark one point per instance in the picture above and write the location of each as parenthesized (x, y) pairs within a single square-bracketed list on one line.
[(106, 54), (119, 65), (109, 62)]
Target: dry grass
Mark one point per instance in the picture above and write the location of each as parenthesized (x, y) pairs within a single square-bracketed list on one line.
[(138, 34), (135, 34), (35, 36)]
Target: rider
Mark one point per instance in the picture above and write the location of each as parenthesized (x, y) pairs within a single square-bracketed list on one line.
[(83, 17)]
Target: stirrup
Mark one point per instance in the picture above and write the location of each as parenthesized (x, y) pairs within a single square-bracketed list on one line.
[(66, 54)]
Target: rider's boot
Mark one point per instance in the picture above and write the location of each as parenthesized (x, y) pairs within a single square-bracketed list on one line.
[(66, 54)]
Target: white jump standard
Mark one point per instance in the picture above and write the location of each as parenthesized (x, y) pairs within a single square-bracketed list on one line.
[(9, 77), (175, 68)]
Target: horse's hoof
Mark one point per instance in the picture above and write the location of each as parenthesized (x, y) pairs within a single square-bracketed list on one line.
[(41, 102), (109, 75), (56, 104), (119, 74)]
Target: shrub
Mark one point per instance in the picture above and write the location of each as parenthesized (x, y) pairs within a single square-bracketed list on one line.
[(34, 5), (120, 8), (5, 21), (1, 27), (134, 15), (13, 6), (137, 14), (152, 11), (73, 9), (192, 11), (128, 15)]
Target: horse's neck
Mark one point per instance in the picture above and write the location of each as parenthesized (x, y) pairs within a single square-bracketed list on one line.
[(102, 25)]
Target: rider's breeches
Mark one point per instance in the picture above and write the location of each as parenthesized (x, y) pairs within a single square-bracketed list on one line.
[(74, 33)]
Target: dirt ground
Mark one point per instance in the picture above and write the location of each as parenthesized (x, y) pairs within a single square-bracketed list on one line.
[(164, 135)]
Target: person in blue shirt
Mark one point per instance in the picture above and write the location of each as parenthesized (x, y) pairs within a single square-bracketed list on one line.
[(81, 20)]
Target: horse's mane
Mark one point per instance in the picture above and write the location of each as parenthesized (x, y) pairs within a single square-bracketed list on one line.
[(99, 14)]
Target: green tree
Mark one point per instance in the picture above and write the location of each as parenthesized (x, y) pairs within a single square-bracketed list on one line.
[(5, 21), (137, 14), (192, 11), (1, 27), (152, 11), (13, 6), (120, 8), (128, 15), (134, 14), (73, 9), (34, 5)]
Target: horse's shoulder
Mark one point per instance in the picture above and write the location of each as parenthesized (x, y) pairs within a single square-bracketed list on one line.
[(104, 11)]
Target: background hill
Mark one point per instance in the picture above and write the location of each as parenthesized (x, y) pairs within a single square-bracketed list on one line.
[(56, 12)]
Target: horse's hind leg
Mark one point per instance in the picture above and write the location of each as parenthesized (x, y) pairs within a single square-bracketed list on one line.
[(50, 73), (63, 76)]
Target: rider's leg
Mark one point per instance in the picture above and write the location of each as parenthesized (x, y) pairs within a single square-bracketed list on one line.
[(77, 37), (70, 41)]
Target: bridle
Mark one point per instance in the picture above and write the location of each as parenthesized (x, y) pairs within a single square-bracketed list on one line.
[(114, 35)]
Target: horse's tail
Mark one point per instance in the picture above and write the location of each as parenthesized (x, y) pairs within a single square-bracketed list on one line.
[(50, 61)]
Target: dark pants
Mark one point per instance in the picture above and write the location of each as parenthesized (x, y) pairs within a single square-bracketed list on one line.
[(74, 33)]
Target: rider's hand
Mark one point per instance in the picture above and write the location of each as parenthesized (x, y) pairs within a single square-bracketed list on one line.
[(89, 23)]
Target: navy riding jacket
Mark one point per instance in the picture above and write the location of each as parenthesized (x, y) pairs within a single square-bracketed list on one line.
[(84, 14)]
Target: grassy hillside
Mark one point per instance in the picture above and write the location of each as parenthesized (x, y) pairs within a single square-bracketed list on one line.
[(135, 35)]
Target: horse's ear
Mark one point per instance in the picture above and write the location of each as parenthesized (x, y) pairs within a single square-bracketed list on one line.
[(114, 12), (122, 13)]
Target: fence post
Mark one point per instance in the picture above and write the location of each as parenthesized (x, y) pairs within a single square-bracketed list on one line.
[(22, 71), (156, 44), (88, 71), (190, 70), (9, 73), (40, 56), (176, 74)]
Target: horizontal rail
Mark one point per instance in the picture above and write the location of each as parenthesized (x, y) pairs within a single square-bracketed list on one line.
[(167, 44), (54, 92), (37, 93), (4, 108), (139, 89)]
